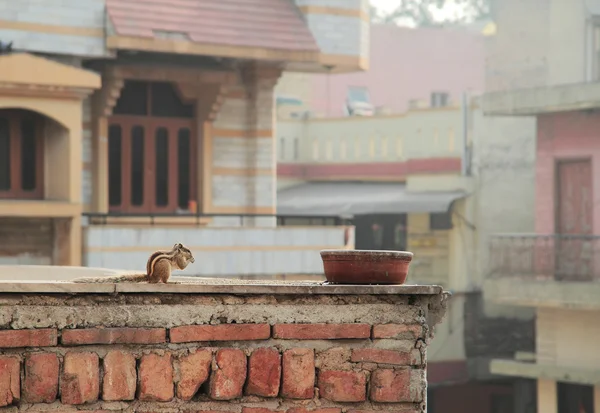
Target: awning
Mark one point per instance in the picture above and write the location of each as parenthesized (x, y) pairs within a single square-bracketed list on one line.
[(359, 198)]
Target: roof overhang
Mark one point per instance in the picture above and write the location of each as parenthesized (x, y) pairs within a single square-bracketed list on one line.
[(543, 371), (271, 30), (347, 199), (30, 75), (542, 100)]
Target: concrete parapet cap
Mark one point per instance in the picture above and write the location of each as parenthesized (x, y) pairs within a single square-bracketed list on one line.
[(196, 285)]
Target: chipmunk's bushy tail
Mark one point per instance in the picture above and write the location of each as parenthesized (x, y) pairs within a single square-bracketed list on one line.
[(126, 278)]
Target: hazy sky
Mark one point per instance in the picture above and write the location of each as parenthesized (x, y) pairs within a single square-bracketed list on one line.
[(388, 5)]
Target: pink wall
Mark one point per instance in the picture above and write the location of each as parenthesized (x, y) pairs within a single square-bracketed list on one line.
[(562, 136), (409, 64)]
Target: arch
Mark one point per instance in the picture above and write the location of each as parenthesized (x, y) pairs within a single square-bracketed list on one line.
[(60, 111)]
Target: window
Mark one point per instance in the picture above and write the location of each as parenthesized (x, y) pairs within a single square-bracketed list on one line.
[(440, 221), (296, 148), (151, 150), (343, 149), (399, 147), (594, 53), (371, 147), (282, 148), (329, 150), (315, 150), (439, 99), (358, 94), (451, 140), (21, 155)]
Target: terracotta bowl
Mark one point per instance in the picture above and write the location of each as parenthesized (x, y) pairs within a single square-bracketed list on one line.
[(365, 266)]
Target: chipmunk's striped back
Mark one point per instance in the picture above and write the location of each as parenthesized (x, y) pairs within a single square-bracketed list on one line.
[(159, 255)]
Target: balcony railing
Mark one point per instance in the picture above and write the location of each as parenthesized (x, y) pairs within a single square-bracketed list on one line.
[(545, 257)]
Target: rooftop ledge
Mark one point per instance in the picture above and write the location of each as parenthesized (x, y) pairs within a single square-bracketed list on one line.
[(542, 100), (197, 285)]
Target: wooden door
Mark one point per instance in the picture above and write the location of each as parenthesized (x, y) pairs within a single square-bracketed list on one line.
[(152, 167), (574, 220)]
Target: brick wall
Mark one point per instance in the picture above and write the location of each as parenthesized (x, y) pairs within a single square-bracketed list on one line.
[(253, 349)]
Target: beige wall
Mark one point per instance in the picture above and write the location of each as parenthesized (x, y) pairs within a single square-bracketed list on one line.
[(551, 45), (424, 133), (568, 338)]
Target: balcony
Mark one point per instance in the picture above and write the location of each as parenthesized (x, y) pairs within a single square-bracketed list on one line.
[(224, 245), (544, 270)]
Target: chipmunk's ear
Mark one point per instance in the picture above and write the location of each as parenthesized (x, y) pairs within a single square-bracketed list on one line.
[(179, 245)]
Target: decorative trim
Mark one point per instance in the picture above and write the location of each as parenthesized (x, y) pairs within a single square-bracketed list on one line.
[(51, 29), (191, 48), (241, 133)]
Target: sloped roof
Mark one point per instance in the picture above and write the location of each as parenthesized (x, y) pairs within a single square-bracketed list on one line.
[(270, 24)]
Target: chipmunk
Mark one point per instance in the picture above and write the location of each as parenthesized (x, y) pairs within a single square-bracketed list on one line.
[(158, 268)]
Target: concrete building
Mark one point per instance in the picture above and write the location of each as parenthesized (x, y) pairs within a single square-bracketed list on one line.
[(408, 68), (412, 164), (552, 78), (125, 126)]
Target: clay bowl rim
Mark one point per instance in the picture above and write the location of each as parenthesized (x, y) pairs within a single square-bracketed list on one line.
[(364, 254)]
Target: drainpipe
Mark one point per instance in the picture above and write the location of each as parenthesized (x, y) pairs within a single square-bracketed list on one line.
[(465, 159)]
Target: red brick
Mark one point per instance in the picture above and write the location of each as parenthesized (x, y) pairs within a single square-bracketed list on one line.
[(372, 355), (227, 381), (342, 386), (156, 378), (321, 331), (391, 386), (119, 376), (401, 331), (259, 410), (80, 379), (41, 378), (114, 336), (193, 372), (382, 411), (43, 337), (323, 410), (298, 373), (10, 380), (264, 373), (222, 332)]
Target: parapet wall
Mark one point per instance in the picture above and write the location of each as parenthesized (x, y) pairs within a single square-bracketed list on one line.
[(243, 348)]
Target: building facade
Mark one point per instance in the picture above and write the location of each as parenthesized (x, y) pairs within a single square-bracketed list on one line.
[(125, 127), (552, 270), (412, 163)]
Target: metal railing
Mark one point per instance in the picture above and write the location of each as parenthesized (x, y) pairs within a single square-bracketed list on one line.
[(199, 218), (545, 257)]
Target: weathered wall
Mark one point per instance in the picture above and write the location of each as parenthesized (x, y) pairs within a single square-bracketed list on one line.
[(551, 46), (572, 135), (425, 133), (63, 27), (340, 27), (567, 338), (218, 251), (182, 350)]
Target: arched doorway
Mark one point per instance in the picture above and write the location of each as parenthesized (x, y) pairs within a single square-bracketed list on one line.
[(21, 154), (30, 144), (151, 150)]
